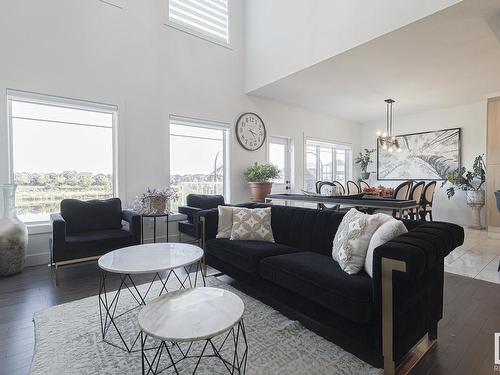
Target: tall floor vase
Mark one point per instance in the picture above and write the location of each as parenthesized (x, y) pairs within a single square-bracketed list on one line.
[(13, 234)]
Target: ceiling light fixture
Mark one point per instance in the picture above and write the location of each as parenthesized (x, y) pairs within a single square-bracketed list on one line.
[(387, 140)]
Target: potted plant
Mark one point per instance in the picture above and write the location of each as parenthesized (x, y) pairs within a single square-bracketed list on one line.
[(363, 160), (472, 183), (155, 201), (259, 178)]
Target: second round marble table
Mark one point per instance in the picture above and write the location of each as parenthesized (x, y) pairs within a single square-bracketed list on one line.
[(189, 316), (155, 259)]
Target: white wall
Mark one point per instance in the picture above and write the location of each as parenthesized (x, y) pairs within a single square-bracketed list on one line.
[(285, 36), (471, 118), (93, 51)]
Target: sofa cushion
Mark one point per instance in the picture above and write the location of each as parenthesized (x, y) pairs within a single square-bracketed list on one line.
[(82, 245), (320, 279), (92, 215), (245, 255)]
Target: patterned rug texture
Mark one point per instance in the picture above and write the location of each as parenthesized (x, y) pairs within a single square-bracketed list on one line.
[(68, 341)]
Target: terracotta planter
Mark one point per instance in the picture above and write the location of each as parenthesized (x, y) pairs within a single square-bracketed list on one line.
[(259, 191)]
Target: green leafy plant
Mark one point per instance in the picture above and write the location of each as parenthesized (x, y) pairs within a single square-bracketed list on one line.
[(261, 172), (464, 179), (364, 159)]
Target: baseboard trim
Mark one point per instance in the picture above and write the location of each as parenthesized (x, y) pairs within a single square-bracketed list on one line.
[(37, 259)]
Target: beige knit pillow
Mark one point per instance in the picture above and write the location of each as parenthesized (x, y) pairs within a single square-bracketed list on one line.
[(225, 226), (253, 224)]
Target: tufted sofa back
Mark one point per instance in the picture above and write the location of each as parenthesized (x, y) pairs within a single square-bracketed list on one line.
[(305, 229)]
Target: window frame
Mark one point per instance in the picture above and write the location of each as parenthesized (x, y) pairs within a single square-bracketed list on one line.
[(226, 145), (61, 102), (193, 32), (327, 142)]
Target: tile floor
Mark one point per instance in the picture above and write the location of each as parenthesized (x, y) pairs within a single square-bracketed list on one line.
[(478, 257)]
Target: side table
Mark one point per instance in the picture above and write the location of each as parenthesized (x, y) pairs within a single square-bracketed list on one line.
[(154, 216)]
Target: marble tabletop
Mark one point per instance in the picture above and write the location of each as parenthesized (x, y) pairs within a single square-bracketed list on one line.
[(191, 314), (150, 258)]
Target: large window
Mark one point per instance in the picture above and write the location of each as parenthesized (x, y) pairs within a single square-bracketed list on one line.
[(206, 18), (60, 149), (198, 157), (326, 161)]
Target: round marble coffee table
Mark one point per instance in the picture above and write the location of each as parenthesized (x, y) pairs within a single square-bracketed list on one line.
[(155, 259), (194, 324)]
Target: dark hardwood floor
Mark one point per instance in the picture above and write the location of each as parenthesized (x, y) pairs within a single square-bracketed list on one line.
[(465, 343)]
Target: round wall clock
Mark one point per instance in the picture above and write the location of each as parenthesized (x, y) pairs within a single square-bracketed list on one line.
[(250, 131)]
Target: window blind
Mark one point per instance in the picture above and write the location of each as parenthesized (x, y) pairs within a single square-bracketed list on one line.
[(207, 17)]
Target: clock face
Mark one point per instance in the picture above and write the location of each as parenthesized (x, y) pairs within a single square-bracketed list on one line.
[(250, 131)]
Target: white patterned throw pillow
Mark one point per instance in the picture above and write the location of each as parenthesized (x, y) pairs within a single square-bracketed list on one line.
[(225, 225), (252, 224), (352, 238), (385, 233)]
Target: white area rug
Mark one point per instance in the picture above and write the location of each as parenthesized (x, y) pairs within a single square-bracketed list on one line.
[(68, 341)]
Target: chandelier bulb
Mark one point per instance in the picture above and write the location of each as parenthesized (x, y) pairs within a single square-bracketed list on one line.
[(384, 147), (390, 149), (384, 134), (379, 133), (399, 150)]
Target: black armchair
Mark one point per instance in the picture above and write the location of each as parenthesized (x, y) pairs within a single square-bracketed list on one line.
[(196, 203), (85, 230)]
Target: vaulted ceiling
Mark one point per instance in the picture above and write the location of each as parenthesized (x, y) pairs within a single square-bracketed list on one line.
[(449, 58)]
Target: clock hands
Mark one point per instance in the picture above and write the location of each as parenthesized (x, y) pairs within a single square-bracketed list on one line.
[(253, 133)]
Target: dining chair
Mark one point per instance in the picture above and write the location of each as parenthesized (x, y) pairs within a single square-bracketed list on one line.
[(416, 195), (363, 185), (340, 187), (353, 188), (402, 192), (427, 199), (326, 188)]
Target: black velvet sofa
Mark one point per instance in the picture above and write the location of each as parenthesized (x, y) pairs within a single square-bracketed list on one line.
[(380, 319), (85, 230)]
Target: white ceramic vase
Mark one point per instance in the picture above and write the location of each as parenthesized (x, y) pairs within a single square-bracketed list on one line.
[(476, 200), (13, 234)]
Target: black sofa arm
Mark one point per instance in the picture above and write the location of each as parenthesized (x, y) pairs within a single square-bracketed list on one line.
[(421, 248), (408, 279), (134, 221), (57, 241)]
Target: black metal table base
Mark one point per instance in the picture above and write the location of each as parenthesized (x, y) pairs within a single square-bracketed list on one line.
[(108, 302), (174, 354)]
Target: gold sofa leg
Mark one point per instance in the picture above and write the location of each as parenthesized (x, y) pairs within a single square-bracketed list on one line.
[(389, 265)]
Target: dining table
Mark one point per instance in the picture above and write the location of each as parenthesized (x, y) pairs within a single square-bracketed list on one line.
[(354, 200)]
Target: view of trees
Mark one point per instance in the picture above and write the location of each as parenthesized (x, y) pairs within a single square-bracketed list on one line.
[(39, 194), (198, 184)]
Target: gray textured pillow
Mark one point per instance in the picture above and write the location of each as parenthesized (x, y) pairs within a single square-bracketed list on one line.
[(253, 224), (225, 225), (352, 239)]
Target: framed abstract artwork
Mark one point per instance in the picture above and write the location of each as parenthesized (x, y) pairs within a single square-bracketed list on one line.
[(423, 156)]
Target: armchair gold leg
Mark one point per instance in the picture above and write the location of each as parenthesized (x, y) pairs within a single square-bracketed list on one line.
[(56, 278)]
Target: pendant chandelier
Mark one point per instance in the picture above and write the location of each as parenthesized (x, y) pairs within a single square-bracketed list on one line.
[(387, 140)]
